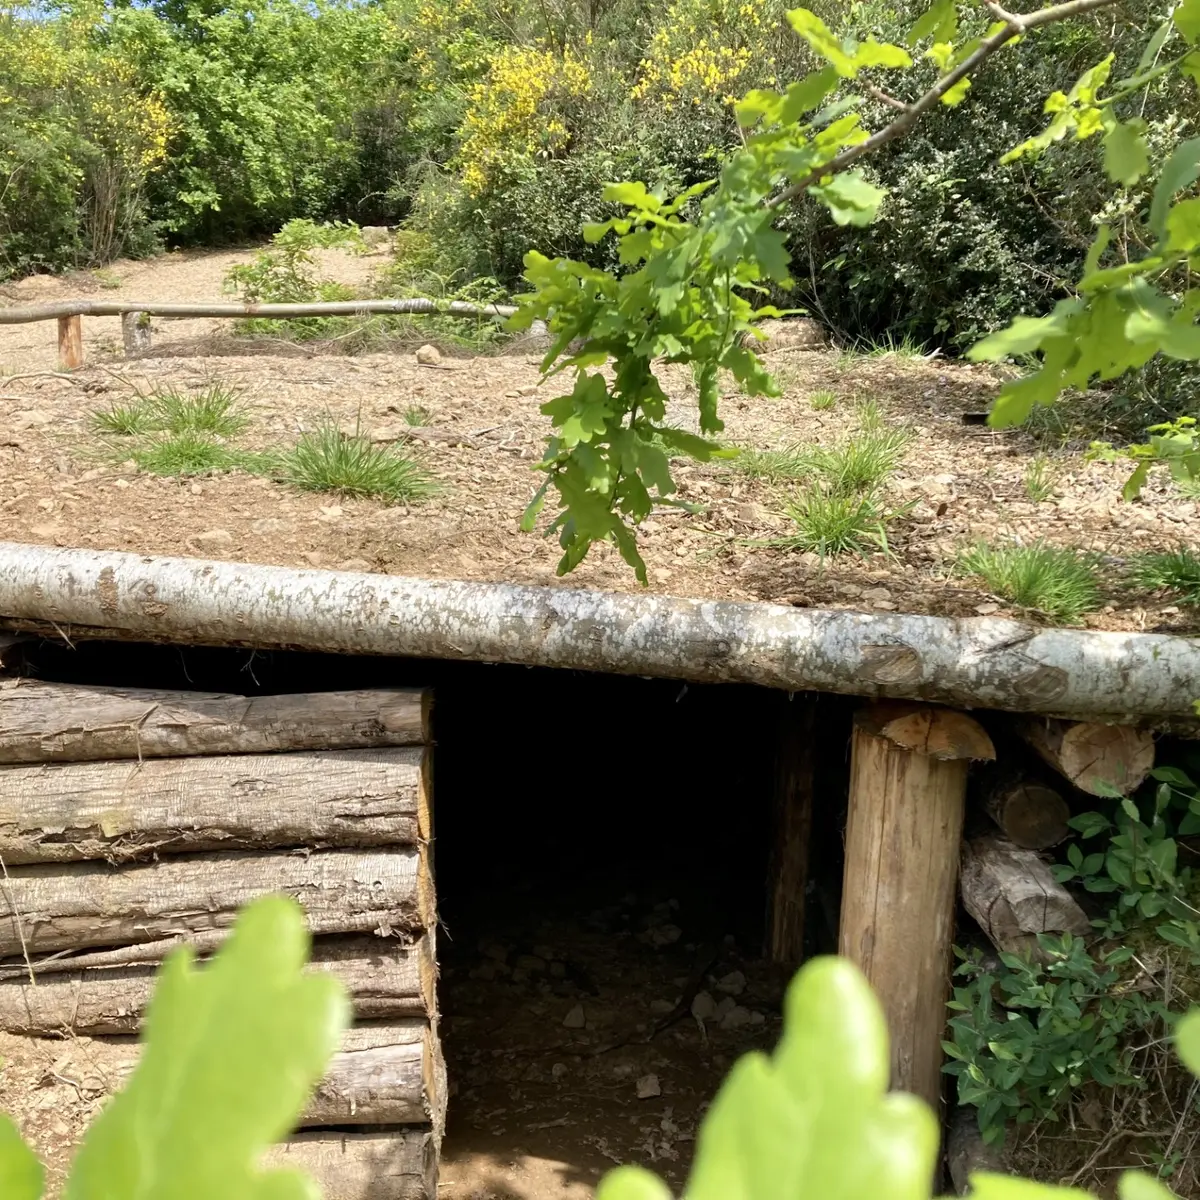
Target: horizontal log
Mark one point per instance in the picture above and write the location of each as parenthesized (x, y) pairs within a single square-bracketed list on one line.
[(985, 662), (1096, 758), (1013, 896), (75, 905), (59, 309), (384, 978), (1030, 813), (54, 722), (387, 1074), (121, 811), (400, 1164)]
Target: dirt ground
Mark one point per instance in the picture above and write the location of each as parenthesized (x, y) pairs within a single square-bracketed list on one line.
[(484, 431)]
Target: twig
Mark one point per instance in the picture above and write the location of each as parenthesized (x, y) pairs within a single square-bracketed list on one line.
[(40, 375), (883, 98), (1015, 25)]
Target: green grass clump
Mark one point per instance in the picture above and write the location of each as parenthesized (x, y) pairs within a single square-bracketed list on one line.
[(124, 420), (214, 411), (855, 465), (823, 399), (830, 523), (416, 416), (187, 453), (776, 466), (1062, 584), (1171, 570), (1040, 478), (869, 414), (328, 460)]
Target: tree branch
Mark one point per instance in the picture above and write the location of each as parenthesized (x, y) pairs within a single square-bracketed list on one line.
[(1015, 25)]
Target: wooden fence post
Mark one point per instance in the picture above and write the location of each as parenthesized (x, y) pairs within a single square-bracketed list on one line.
[(908, 779), (70, 343), (792, 830)]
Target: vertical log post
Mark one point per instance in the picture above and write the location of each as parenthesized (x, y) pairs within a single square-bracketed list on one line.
[(70, 343), (792, 833), (135, 333), (908, 780)]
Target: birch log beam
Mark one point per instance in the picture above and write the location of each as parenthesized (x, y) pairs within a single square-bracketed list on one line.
[(74, 905), (121, 811), (1096, 758), (389, 1074), (54, 722), (907, 802), (1013, 896), (400, 1164), (383, 978), (980, 662), (1031, 814)]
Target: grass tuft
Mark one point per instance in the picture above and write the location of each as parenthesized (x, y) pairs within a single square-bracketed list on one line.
[(823, 399), (830, 523), (212, 411), (853, 466), (328, 460), (416, 416), (124, 420), (188, 453), (1040, 478), (1171, 570), (1060, 583)]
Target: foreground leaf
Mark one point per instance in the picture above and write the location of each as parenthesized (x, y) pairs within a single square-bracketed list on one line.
[(21, 1175), (232, 1051)]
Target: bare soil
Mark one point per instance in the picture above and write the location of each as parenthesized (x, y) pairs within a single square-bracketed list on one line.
[(484, 433)]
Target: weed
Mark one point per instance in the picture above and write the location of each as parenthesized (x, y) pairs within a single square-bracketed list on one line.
[(124, 420), (328, 460), (869, 414), (776, 466), (187, 453), (1040, 478), (891, 347), (1171, 570), (1060, 583), (416, 415), (835, 523), (107, 278), (211, 411), (859, 464), (823, 399)]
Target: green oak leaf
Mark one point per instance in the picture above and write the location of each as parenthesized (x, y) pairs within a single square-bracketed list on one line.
[(1126, 159), (21, 1175), (851, 200)]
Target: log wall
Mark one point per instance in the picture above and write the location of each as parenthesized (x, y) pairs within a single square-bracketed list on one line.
[(133, 821)]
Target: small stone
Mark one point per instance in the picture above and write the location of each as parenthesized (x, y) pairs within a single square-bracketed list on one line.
[(122, 484), (664, 935), (355, 564), (733, 984), (810, 560), (330, 512), (884, 605), (313, 557), (660, 1007), (558, 1070), (46, 505), (533, 963), (46, 532), (703, 1006), (214, 537), (196, 490), (485, 971), (94, 473), (850, 590), (736, 1017), (575, 1019), (268, 525), (661, 574), (429, 356), (1171, 610), (30, 418), (648, 1087), (494, 951), (519, 975), (986, 610), (876, 593), (558, 970), (757, 1018), (529, 389)]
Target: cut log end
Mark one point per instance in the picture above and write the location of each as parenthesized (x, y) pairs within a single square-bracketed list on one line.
[(1032, 815), (938, 733), (1097, 759)]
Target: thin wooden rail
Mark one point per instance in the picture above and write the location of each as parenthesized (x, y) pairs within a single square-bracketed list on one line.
[(69, 314)]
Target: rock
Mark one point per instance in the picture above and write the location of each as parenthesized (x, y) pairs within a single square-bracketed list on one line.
[(736, 1017), (558, 970), (519, 975), (122, 484), (986, 610), (558, 1071), (330, 512), (726, 1005), (661, 1007), (429, 356), (876, 593), (355, 564), (214, 537), (269, 525), (30, 418), (533, 963), (530, 389), (46, 532), (704, 1007), (661, 574), (494, 950), (733, 984), (794, 333), (648, 1087), (663, 935), (884, 605), (575, 1019)]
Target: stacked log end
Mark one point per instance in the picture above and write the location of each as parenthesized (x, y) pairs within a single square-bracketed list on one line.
[(132, 821)]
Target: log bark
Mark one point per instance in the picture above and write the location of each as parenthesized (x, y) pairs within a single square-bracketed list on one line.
[(793, 802), (1031, 814), (76, 905), (122, 811), (400, 1164), (1013, 896), (383, 978), (898, 896), (384, 1074), (135, 333), (979, 662), (70, 343), (1096, 758), (54, 722), (67, 310)]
